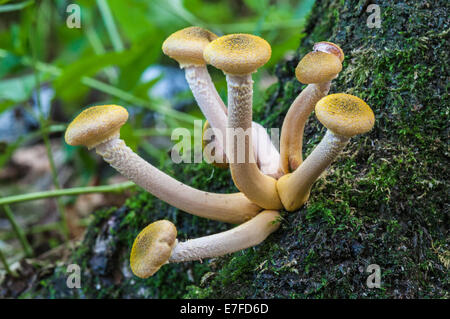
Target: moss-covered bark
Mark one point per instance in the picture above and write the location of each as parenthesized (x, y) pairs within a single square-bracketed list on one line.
[(384, 201)]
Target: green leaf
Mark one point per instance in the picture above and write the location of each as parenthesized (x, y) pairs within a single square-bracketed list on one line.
[(15, 6), (17, 89), (68, 83), (142, 54)]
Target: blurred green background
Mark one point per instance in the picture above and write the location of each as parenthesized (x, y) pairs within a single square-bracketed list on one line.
[(50, 72)]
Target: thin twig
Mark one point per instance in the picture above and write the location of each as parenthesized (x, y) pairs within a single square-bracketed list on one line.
[(110, 25), (66, 192), (18, 231), (5, 264)]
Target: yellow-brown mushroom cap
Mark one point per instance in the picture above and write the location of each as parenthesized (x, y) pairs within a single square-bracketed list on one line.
[(186, 45), (329, 47), (96, 125), (152, 248), (238, 54), (345, 114), (318, 67)]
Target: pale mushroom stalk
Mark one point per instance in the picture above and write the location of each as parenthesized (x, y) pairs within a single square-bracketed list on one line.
[(259, 188), (316, 69), (294, 187), (231, 208), (291, 140), (248, 234), (344, 116), (98, 127), (210, 104), (215, 112), (266, 155), (186, 47), (157, 244), (238, 56)]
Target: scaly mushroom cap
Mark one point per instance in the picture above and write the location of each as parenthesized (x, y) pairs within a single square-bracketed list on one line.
[(238, 54), (318, 67), (96, 125), (152, 248), (186, 45), (329, 47), (345, 114)]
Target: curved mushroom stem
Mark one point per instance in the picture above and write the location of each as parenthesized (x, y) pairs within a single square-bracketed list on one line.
[(266, 154), (231, 208), (259, 188), (248, 234), (294, 188), (291, 141), (210, 104), (215, 112)]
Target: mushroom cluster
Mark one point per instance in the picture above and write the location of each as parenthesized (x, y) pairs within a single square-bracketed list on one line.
[(268, 180)]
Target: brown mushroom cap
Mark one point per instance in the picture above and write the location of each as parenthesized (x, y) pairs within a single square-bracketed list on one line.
[(186, 45), (238, 54), (318, 67), (345, 114), (329, 47), (95, 125), (152, 248)]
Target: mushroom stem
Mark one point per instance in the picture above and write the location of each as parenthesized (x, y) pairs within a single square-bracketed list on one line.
[(231, 208), (294, 188), (215, 112), (210, 104), (291, 140), (248, 234), (266, 154), (259, 188)]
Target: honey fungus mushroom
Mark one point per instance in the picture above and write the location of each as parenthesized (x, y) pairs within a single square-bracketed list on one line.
[(157, 245), (344, 116), (316, 69)]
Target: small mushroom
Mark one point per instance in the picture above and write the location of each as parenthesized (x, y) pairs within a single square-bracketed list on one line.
[(316, 69), (157, 245), (99, 127), (344, 116), (238, 56), (186, 47), (152, 248)]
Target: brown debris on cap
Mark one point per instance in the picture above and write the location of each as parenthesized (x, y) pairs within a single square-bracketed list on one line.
[(186, 46), (345, 114), (329, 47), (238, 54), (152, 248), (96, 125), (318, 67)]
